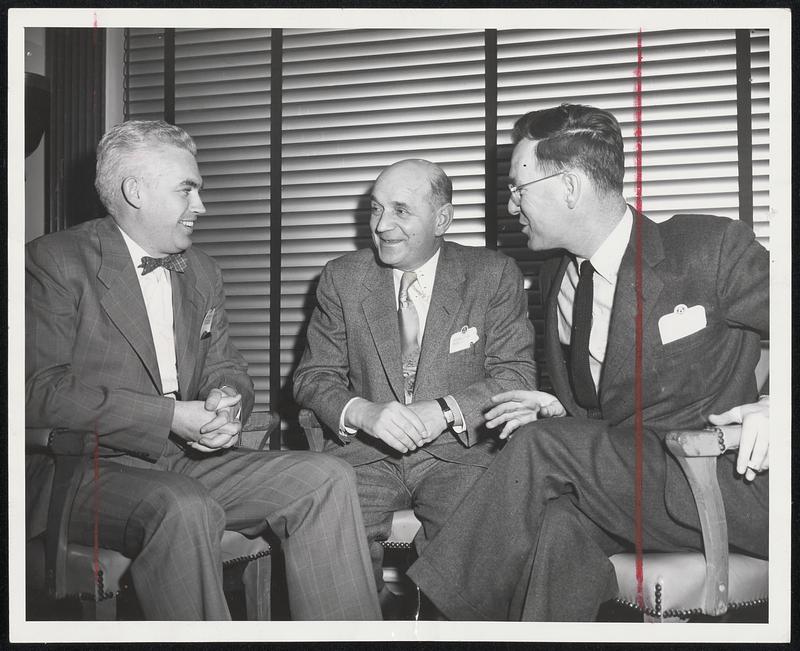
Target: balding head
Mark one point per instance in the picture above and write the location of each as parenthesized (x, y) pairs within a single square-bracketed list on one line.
[(410, 212), (440, 186)]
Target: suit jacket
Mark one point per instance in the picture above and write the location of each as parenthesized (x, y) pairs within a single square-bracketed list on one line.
[(691, 260), (354, 346), (90, 361)]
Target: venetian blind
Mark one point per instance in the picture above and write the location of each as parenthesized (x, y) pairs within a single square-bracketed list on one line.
[(759, 74), (355, 101), (222, 82)]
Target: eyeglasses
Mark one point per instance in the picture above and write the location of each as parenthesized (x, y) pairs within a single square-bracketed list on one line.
[(516, 195)]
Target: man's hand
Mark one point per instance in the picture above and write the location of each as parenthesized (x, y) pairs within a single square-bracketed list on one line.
[(223, 401), (753, 456), (430, 413), (204, 430), (393, 423), (515, 408), (188, 419)]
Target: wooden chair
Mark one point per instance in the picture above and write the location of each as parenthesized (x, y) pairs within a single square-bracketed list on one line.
[(677, 586), (61, 569), (680, 585)]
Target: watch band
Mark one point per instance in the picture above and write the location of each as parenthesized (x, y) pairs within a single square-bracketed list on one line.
[(449, 416)]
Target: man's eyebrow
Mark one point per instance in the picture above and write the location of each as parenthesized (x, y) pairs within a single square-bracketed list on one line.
[(191, 183), (399, 204)]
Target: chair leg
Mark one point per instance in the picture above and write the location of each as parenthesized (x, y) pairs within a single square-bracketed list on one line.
[(105, 610), (257, 580)]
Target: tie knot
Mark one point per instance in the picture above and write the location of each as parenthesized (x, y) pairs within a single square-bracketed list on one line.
[(587, 269), (408, 279), (174, 262)]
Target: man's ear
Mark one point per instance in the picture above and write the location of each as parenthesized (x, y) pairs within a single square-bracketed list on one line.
[(444, 217), (132, 191), (572, 188)]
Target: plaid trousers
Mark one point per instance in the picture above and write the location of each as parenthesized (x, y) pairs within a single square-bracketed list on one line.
[(170, 517)]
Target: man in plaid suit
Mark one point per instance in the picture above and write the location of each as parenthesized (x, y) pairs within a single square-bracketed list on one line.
[(127, 338)]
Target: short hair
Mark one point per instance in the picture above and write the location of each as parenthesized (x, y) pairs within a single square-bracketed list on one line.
[(573, 135), (114, 160), (441, 186)]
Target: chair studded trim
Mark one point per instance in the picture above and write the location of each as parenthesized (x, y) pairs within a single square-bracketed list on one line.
[(249, 557), (391, 544), (682, 613), (100, 595)]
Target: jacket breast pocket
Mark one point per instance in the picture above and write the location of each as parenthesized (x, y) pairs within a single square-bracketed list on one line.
[(697, 342)]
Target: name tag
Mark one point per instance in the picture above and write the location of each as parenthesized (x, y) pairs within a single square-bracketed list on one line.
[(463, 339), (205, 330), (682, 322)]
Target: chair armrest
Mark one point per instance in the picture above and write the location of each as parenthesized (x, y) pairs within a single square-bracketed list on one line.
[(258, 430), (71, 450), (709, 442), (59, 441), (312, 429), (696, 451), (37, 438)]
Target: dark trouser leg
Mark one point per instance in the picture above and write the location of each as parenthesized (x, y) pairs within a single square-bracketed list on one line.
[(565, 534), (309, 500), (169, 525), (437, 488), (381, 492), (473, 568)]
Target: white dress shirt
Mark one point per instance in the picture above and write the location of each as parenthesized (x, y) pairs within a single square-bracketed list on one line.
[(606, 261), (157, 292), (420, 294)]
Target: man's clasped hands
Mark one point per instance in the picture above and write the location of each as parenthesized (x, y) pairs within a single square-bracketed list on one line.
[(211, 425)]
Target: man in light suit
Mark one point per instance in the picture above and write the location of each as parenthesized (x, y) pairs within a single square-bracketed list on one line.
[(127, 339), (532, 539), (405, 403)]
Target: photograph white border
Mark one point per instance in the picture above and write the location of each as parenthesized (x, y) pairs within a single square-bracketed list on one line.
[(777, 20)]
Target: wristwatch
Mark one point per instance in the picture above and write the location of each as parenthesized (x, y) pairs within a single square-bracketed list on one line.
[(449, 416)]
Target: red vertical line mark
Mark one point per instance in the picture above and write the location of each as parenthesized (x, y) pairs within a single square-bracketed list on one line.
[(96, 506), (94, 30), (637, 391)]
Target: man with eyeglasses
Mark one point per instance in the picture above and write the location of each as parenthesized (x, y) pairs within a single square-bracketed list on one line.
[(532, 539), (408, 342)]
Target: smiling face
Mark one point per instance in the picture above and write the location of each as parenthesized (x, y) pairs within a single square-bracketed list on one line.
[(169, 201), (406, 227), (541, 208)]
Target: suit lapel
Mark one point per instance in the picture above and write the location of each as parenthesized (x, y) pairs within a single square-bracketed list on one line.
[(446, 298), (187, 305), (554, 354), (622, 329), (123, 302), (380, 312)]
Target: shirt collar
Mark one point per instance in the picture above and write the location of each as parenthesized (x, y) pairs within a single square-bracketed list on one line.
[(608, 257), (426, 273)]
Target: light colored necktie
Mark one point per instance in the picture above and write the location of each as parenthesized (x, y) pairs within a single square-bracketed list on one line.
[(409, 333)]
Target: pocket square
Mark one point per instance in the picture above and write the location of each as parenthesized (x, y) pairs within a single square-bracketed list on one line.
[(205, 330), (681, 322), (463, 339)]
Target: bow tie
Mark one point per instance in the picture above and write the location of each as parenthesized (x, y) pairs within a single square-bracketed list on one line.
[(175, 262)]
